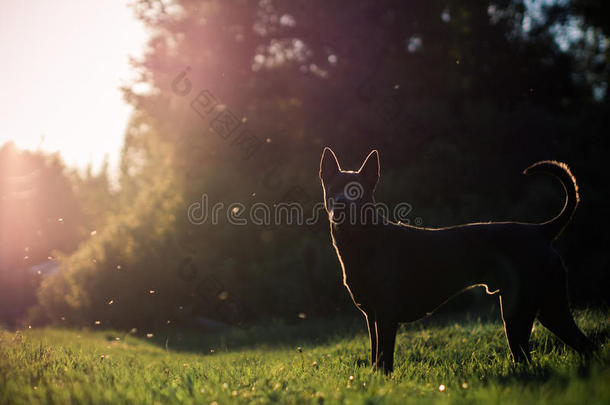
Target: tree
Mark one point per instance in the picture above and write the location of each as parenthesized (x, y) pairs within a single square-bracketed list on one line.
[(241, 98), (39, 215)]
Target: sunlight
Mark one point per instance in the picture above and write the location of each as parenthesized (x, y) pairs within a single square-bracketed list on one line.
[(63, 64)]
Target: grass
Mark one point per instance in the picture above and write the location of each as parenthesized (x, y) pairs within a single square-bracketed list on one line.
[(264, 364)]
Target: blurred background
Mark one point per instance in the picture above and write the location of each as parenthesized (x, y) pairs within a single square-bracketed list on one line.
[(115, 119)]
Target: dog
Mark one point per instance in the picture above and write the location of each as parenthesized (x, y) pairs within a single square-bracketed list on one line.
[(398, 273)]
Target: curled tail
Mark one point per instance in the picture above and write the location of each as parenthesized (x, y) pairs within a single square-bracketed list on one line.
[(553, 228)]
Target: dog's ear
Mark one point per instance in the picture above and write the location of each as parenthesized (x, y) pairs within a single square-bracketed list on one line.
[(370, 168), (329, 166)]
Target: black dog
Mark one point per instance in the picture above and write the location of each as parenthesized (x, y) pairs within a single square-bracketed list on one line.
[(399, 273)]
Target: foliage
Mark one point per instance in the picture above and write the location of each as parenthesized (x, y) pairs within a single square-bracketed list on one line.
[(40, 214), (458, 97)]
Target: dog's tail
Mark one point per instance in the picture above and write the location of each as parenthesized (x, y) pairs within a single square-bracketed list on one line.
[(553, 228)]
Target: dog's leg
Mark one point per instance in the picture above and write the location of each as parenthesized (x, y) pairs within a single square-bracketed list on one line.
[(555, 315), (386, 338), (518, 321), (370, 322)]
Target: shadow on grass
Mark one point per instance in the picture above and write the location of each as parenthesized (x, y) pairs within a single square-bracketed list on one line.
[(310, 332), (536, 373), (322, 331)]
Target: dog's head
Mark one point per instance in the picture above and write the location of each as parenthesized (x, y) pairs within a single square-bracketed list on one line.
[(347, 191)]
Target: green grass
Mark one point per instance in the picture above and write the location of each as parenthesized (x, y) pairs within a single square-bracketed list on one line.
[(263, 364)]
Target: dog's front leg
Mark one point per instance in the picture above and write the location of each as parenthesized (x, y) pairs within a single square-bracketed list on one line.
[(370, 322), (386, 328)]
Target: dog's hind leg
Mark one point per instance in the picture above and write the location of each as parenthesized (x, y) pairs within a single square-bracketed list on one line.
[(555, 315), (518, 319), (386, 338)]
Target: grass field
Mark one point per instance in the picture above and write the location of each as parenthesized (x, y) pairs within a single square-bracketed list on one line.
[(437, 362)]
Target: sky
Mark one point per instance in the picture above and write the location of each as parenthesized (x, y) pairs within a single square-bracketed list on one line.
[(62, 63)]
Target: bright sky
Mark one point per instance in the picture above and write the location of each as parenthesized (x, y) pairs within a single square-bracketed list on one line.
[(61, 63)]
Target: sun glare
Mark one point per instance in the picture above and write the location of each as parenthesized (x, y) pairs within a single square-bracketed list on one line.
[(63, 63)]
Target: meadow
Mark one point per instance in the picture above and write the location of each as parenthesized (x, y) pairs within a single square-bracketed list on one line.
[(439, 361)]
